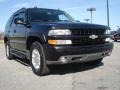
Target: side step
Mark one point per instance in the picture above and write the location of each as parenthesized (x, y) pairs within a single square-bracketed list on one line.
[(18, 54), (21, 58)]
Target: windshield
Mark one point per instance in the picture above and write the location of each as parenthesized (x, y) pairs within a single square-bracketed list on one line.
[(45, 15)]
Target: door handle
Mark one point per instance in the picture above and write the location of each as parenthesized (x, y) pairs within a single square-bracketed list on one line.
[(14, 31)]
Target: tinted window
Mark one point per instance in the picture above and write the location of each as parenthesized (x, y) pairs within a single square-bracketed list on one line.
[(50, 15), (62, 17), (13, 24), (22, 15)]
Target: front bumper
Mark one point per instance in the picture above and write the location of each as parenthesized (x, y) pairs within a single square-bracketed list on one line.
[(76, 53)]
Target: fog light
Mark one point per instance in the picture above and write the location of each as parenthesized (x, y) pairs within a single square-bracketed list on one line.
[(63, 60), (109, 40), (109, 53)]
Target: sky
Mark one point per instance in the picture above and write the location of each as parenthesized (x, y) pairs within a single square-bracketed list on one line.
[(76, 8)]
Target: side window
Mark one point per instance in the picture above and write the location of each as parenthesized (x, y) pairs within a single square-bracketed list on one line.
[(22, 15), (13, 24), (62, 17)]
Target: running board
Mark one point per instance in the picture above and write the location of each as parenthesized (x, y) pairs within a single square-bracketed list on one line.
[(18, 54)]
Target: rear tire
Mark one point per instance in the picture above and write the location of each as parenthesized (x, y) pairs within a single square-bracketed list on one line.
[(37, 58), (8, 53)]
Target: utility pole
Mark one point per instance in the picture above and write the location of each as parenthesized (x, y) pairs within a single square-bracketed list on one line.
[(108, 19), (91, 11), (87, 20)]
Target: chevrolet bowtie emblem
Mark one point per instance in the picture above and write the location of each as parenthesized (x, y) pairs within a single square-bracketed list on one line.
[(93, 36)]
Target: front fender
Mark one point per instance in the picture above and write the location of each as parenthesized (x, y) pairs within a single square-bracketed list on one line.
[(38, 35)]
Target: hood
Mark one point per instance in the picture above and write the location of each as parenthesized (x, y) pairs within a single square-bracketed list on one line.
[(71, 25)]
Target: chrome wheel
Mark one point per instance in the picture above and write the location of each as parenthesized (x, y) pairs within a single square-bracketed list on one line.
[(36, 60), (8, 53), (7, 50)]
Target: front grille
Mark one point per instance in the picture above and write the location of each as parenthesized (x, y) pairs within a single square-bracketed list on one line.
[(87, 41), (85, 33), (88, 31)]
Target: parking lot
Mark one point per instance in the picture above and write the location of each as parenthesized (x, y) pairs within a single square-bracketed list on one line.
[(15, 75)]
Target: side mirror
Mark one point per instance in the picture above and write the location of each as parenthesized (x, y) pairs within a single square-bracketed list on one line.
[(19, 21)]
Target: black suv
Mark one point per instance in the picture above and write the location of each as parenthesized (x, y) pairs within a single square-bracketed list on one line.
[(48, 36)]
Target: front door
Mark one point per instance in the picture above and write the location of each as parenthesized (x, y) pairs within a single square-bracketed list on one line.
[(20, 35)]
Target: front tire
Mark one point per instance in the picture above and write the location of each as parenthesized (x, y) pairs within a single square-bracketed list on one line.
[(8, 53), (37, 58)]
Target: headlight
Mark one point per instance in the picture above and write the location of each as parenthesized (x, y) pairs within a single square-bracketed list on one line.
[(109, 40), (59, 32), (107, 32)]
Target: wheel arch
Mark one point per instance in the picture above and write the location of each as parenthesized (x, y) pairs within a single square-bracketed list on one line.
[(32, 39), (5, 39)]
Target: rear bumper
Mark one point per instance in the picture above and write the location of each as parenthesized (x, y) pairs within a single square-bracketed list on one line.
[(80, 53)]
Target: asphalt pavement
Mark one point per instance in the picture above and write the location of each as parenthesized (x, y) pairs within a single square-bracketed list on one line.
[(17, 75)]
